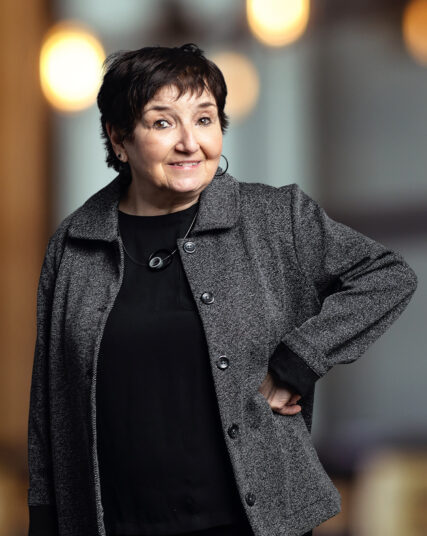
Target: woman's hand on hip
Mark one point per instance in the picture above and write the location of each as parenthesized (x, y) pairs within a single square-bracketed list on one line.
[(282, 400)]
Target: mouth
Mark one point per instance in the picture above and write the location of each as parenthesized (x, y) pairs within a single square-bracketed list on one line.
[(185, 164)]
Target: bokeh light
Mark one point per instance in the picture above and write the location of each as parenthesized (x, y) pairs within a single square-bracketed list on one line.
[(414, 29), (277, 22), (71, 66), (242, 82)]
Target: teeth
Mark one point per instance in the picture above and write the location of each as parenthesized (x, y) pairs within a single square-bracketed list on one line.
[(187, 164)]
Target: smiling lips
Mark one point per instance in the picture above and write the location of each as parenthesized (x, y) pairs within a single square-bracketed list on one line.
[(186, 164)]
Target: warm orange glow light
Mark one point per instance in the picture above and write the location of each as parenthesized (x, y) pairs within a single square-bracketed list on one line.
[(242, 82), (414, 28), (70, 66), (277, 22)]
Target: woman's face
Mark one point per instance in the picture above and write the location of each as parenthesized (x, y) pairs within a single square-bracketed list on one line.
[(177, 143)]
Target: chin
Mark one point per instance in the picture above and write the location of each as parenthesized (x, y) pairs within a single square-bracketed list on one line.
[(191, 182), (189, 185)]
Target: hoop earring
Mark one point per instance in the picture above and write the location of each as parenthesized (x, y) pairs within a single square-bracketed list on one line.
[(223, 173)]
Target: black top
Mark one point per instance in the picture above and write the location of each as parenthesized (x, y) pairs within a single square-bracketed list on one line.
[(164, 466)]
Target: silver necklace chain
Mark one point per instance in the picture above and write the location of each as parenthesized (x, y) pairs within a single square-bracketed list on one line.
[(170, 254)]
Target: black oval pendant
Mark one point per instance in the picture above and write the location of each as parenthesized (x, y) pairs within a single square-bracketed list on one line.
[(160, 259)]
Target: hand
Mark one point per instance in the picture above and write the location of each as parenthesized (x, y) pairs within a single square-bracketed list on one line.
[(281, 400)]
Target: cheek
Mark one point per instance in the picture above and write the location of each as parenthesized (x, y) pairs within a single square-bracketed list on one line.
[(151, 152), (213, 145)]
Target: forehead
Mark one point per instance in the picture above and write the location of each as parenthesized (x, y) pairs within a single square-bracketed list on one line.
[(168, 96)]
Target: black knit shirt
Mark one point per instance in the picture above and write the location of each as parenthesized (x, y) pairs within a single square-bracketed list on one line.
[(163, 462)]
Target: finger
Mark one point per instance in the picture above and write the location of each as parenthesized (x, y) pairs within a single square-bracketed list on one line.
[(294, 399), (290, 410)]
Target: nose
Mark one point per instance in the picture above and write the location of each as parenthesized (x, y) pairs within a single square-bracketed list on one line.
[(187, 139)]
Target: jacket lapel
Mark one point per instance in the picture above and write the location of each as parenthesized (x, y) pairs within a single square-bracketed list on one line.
[(97, 218)]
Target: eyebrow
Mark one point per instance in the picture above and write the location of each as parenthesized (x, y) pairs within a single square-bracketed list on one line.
[(160, 108)]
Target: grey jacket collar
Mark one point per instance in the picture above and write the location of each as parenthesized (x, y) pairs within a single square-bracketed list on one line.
[(97, 218)]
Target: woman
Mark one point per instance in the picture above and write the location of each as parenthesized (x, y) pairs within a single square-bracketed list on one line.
[(182, 315)]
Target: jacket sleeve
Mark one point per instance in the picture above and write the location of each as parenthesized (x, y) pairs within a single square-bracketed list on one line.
[(361, 287), (41, 498)]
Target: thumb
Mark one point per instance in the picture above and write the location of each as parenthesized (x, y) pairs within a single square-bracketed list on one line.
[(290, 410)]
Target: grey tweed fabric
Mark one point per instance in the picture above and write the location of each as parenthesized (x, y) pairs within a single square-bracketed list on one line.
[(272, 275)]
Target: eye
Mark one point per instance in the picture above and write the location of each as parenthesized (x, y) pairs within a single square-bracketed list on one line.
[(158, 122), (208, 120)]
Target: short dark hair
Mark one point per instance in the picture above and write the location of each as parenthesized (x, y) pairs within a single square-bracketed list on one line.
[(132, 77)]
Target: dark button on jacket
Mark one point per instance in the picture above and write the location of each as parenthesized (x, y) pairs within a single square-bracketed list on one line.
[(207, 297), (189, 247)]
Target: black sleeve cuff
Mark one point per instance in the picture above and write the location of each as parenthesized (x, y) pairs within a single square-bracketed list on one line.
[(290, 370), (42, 520)]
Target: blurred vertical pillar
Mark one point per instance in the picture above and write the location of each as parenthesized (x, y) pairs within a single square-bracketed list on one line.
[(24, 214)]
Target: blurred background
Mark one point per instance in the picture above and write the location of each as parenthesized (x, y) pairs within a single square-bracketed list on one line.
[(325, 93)]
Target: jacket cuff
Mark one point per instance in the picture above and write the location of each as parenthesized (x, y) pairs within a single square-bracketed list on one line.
[(288, 369), (42, 520)]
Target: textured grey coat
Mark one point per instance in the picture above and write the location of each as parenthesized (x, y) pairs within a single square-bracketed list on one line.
[(282, 274)]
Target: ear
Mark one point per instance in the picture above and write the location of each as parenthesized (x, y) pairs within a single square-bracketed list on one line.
[(114, 137), (118, 146)]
